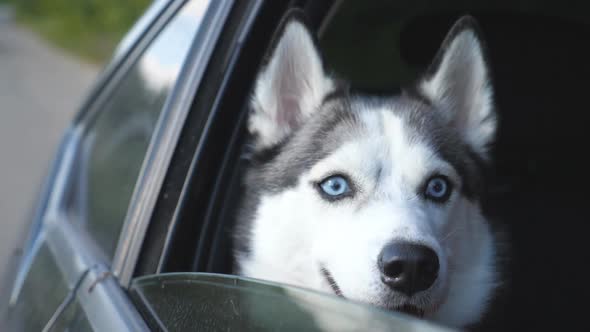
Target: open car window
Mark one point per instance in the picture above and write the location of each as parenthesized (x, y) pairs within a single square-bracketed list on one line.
[(215, 302), (536, 50)]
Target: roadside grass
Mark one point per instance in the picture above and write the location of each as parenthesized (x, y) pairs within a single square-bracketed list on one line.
[(88, 28)]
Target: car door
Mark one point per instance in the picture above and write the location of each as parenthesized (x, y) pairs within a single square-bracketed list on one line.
[(86, 220)]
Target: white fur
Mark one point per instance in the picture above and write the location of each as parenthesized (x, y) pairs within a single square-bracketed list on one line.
[(295, 231)]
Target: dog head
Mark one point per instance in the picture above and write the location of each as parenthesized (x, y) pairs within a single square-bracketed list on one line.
[(375, 199)]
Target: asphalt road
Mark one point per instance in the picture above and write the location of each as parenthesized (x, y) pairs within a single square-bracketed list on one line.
[(40, 89)]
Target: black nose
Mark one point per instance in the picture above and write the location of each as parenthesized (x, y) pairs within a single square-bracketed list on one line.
[(408, 268)]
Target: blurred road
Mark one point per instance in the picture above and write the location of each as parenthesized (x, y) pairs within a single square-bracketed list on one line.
[(40, 88)]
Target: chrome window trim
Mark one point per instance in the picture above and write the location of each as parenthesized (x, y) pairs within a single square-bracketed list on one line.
[(136, 31), (109, 78), (164, 140), (245, 29)]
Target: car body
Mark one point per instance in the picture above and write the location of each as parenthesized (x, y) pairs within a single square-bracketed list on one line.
[(145, 183)]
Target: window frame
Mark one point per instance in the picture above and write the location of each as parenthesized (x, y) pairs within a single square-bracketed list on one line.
[(164, 141), (183, 232), (170, 228), (162, 136), (127, 54)]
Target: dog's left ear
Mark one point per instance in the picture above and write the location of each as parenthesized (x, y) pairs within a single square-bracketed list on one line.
[(458, 83)]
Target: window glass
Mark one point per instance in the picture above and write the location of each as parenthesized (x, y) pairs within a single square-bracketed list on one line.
[(214, 302), (117, 140), (44, 281)]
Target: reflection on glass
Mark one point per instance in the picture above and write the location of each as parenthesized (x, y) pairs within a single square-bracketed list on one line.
[(43, 291), (213, 302), (117, 139)]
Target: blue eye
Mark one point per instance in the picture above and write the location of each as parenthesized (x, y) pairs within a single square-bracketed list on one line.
[(335, 186), (438, 189)]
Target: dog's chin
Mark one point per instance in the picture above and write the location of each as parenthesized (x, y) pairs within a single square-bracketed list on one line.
[(406, 308), (409, 309)]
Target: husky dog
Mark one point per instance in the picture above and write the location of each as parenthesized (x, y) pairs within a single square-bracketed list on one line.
[(372, 198)]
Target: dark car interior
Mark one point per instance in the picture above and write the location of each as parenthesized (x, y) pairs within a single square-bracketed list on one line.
[(536, 195)]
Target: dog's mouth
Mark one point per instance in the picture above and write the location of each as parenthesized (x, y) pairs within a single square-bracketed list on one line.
[(406, 309), (328, 276)]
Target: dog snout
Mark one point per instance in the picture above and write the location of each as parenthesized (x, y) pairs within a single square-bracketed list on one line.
[(408, 268)]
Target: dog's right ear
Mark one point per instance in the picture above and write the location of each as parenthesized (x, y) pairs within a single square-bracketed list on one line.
[(290, 87)]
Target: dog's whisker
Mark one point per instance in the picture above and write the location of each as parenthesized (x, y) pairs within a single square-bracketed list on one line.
[(451, 233)]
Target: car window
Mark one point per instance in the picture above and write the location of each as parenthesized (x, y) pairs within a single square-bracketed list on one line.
[(540, 68), (116, 141), (191, 301)]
